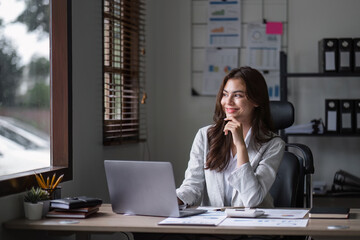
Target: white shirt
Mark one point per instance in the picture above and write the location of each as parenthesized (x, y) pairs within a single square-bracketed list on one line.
[(230, 168), (251, 181)]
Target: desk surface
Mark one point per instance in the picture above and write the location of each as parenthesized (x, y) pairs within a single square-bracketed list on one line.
[(107, 221)]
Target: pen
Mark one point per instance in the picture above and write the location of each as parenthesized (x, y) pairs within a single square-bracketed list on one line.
[(224, 208)]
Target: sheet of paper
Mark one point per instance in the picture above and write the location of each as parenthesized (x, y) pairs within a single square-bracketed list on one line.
[(263, 51), (210, 218), (272, 78), (218, 63), (274, 28), (284, 213), (261, 222), (224, 23)]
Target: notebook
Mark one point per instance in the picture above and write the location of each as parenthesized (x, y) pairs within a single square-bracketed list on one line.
[(144, 188), (329, 212)]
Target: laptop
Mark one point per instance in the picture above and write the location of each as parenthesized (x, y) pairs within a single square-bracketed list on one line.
[(144, 188)]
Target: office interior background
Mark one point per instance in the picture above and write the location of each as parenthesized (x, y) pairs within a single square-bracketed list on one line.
[(174, 115)]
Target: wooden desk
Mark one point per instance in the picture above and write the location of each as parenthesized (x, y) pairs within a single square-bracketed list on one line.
[(107, 221)]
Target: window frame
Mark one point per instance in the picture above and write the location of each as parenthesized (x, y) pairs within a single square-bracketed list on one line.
[(61, 105)]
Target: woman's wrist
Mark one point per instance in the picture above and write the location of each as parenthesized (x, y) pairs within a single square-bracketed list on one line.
[(180, 202)]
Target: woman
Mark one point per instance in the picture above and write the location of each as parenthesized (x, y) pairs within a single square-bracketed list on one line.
[(234, 161)]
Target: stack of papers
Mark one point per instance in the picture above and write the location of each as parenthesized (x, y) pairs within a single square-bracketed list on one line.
[(315, 126), (261, 222), (210, 218), (270, 218)]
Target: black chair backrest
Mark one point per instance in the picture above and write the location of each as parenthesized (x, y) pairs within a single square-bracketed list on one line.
[(289, 185), (282, 114), (284, 190)]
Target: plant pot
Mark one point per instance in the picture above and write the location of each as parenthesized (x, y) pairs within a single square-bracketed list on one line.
[(33, 211)]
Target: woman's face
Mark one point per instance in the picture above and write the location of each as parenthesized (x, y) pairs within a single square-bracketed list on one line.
[(234, 101)]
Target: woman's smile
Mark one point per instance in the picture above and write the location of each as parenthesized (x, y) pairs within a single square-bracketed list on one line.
[(231, 110)]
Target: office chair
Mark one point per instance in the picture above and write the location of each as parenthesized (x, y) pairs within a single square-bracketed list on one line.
[(293, 185)]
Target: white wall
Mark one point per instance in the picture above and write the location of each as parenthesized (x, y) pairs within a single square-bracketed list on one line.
[(175, 115), (179, 115)]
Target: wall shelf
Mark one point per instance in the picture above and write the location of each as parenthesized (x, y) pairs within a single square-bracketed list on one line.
[(323, 135), (318, 75), (284, 75)]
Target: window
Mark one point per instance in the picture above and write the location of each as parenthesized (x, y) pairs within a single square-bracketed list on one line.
[(124, 81), (24, 86), (60, 79)]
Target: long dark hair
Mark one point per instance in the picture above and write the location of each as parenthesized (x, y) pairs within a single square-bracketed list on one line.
[(262, 125)]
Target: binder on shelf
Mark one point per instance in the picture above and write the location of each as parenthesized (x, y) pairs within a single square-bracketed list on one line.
[(331, 115), (346, 116), (356, 44), (336, 188), (357, 115), (328, 55), (345, 178), (345, 54)]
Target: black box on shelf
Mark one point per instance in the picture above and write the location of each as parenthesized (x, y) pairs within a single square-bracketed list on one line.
[(347, 117), (346, 54), (328, 55), (357, 115), (356, 54)]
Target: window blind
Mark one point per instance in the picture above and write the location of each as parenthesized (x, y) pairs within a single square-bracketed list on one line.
[(124, 77)]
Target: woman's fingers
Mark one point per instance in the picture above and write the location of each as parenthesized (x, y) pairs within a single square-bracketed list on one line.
[(236, 130), (232, 126)]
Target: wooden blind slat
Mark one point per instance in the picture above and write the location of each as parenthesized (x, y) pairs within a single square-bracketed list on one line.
[(124, 77)]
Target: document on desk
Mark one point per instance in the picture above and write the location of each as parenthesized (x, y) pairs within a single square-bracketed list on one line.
[(210, 218), (284, 213), (263, 222)]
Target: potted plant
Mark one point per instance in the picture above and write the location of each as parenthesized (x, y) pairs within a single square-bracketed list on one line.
[(33, 203)]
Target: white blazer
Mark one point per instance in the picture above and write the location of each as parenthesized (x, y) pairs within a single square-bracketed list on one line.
[(251, 181)]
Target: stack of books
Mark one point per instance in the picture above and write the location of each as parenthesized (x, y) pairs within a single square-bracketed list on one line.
[(74, 207), (346, 183)]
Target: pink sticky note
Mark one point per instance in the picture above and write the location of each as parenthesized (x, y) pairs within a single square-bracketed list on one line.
[(274, 28)]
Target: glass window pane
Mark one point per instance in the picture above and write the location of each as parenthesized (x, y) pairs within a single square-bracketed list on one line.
[(24, 86)]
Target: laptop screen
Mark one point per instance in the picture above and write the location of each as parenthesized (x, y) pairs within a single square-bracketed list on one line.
[(142, 188)]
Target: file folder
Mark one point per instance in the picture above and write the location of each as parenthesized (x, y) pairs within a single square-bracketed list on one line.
[(345, 54), (328, 55), (346, 115), (356, 44), (357, 115), (331, 115), (344, 178)]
